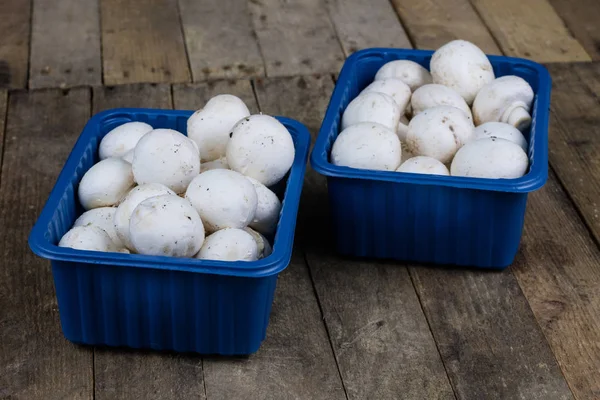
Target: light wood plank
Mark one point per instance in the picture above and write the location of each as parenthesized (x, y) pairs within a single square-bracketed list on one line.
[(14, 45), (296, 37), (433, 23), (360, 24), (65, 44), (36, 361), (558, 271), (194, 96), (142, 42), (581, 17), (220, 39), (530, 29)]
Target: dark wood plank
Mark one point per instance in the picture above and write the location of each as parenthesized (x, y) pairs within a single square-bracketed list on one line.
[(220, 39), (36, 361), (530, 29), (14, 46), (362, 24), (65, 44), (433, 23), (136, 95), (142, 41), (581, 17), (296, 37), (3, 104), (574, 137), (558, 271), (194, 96)]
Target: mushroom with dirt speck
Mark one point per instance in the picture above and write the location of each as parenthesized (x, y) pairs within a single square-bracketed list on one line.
[(433, 95), (105, 183), (229, 244), (264, 247), (501, 130), (409, 72), (372, 107), (101, 217), (219, 163), (88, 237), (267, 209), (423, 165), (395, 88), (122, 139)]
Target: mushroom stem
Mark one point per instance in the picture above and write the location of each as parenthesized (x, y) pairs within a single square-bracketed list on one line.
[(518, 117)]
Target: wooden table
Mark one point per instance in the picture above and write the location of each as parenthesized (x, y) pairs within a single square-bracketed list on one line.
[(340, 328)]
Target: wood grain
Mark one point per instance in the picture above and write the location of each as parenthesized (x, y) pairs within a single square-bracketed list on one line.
[(142, 42), (582, 18), (530, 29), (3, 104), (433, 23), (36, 361), (220, 39), (194, 96), (135, 95), (65, 44), (14, 46), (574, 137), (296, 37), (361, 24), (558, 271)]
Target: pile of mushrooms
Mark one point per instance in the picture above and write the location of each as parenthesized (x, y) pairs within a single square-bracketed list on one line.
[(456, 119), (205, 195)]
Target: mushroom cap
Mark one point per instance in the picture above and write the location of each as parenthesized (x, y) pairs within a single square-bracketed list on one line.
[(267, 209), (409, 72), (503, 99), (229, 244), (463, 67), (402, 130), (367, 145), (439, 132), (105, 183), (261, 148), (88, 237), (501, 130), (223, 198), (166, 225), (423, 165), (219, 163), (122, 139), (490, 158), (103, 218), (168, 157), (372, 107), (128, 156), (395, 88), (264, 247), (123, 213), (210, 126), (432, 95)]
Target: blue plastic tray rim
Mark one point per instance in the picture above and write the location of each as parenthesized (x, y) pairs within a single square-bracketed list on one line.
[(273, 264), (533, 180)]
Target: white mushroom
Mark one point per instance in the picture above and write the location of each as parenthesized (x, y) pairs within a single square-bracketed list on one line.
[(229, 244), (439, 132), (423, 165), (262, 148), (223, 198), (461, 66), (123, 213), (88, 237), (122, 139), (432, 95), (490, 158), (128, 156), (367, 146), (219, 163), (402, 128), (372, 107), (101, 217), (502, 131), (507, 99), (166, 225), (105, 183), (409, 72), (267, 209), (264, 247), (210, 127), (168, 157), (395, 88)]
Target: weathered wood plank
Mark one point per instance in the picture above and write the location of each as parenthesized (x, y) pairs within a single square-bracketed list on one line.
[(14, 46), (432, 23), (36, 361), (558, 271), (296, 37), (3, 104), (361, 24), (220, 39), (530, 29), (142, 42), (194, 96), (574, 138), (581, 18), (135, 95), (65, 44)]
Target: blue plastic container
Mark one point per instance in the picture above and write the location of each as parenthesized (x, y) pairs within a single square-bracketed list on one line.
[(164, 303), (427, 218)]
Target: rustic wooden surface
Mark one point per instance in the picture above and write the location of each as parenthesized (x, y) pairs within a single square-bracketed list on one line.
[(340, 328)]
